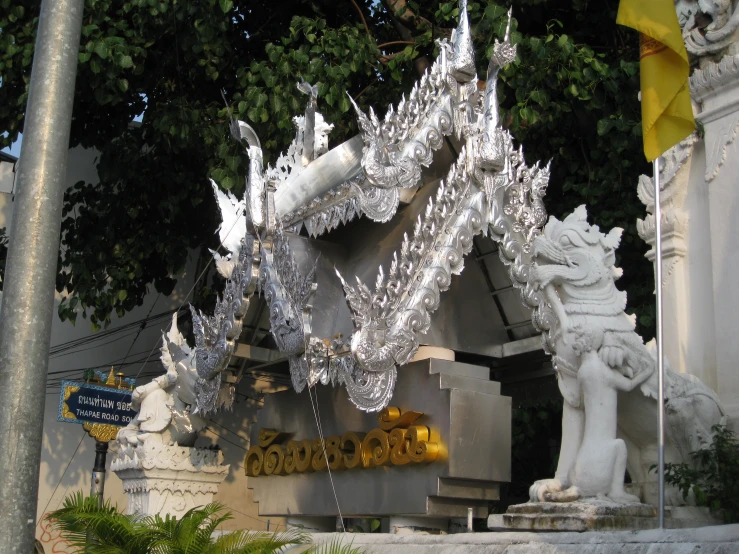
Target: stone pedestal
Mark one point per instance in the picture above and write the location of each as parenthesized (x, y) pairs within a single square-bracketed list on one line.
[(168, 480), (575, 516), (596, 515)]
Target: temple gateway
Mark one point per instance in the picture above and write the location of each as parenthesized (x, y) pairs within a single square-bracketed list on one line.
[(397, 268)]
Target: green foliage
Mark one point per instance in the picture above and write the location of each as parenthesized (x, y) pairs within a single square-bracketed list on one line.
[(105, 530), (536, 433), (570, 97), (714, 479), (366, 525)]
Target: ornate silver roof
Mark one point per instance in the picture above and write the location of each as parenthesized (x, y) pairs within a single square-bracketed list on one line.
[(489, 190)]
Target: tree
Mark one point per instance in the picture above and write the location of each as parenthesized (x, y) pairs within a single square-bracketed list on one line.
[(571, 96)]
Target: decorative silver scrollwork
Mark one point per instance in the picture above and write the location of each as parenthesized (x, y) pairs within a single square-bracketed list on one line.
[(215, 337), (287, 294), (390, 318)]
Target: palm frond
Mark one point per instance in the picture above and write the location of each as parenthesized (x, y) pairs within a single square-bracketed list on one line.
[(336, 546), (99, 530), (104, 530), (258, 542)]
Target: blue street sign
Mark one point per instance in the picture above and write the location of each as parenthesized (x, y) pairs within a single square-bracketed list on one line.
[(86, 403)]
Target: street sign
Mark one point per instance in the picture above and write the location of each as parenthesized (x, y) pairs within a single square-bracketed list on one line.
[(87, 403)]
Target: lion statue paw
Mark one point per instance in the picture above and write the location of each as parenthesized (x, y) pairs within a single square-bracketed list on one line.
[(543, 487)]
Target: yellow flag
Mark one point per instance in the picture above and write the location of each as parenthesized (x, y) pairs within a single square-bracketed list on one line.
[(667, 116)]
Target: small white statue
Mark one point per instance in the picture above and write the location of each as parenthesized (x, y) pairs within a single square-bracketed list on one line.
[(166, 403)]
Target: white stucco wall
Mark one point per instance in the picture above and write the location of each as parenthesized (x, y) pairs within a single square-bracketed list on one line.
[(68, 453)]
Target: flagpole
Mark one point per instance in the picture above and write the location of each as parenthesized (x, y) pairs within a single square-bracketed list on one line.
[(660, 350)]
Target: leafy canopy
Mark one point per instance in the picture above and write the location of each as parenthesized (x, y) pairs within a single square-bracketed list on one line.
[(571, 96)]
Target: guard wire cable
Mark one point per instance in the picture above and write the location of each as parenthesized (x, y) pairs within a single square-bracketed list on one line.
[(188, 296), (316, 416), (61, 479)]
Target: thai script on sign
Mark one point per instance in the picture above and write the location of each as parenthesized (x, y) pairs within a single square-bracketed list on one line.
[(396, 442), (88, 403)]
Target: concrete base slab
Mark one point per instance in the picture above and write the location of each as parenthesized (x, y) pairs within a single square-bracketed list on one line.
[(575, 516), (723, 539), (594, 515)]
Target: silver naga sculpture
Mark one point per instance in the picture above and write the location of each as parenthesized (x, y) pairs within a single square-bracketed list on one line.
[(489, 189)]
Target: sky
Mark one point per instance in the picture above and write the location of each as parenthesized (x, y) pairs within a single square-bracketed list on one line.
[(15, 148)]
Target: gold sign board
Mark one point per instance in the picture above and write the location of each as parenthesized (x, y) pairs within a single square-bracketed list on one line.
[(396, 442)]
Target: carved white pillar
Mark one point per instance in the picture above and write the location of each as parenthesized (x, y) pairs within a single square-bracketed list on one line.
[(168, 479)]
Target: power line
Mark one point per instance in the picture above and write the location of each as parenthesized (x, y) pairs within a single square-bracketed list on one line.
[(142, 327), (202, 273), (69, 351), (74, 343), (225, 439)]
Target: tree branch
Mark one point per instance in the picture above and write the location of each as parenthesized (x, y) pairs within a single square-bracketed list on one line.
[(387, 57), (395, 42), (421, 63), (363, 19), (365, 88), (399, 10)]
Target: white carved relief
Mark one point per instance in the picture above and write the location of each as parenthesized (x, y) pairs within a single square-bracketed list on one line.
[(722, 134), (168, 479), (709, 26), (674, 174), (711, 88), (713, 77)]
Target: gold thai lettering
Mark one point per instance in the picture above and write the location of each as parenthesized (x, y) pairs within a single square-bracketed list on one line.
[(396, 442)]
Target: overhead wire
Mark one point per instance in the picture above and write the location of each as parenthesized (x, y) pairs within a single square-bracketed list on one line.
[(55, 350), (202, 273)]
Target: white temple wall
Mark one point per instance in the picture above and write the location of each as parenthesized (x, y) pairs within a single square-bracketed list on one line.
[(700, 226), (723, 200), (235, 427), (67, 452), (689, 332), (715, 88)]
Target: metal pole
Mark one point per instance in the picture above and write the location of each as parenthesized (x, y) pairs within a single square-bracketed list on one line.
[(660, 349), (28, 299), (98, 472)]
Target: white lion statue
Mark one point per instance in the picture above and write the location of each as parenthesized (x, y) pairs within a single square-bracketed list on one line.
[(607, 375)]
